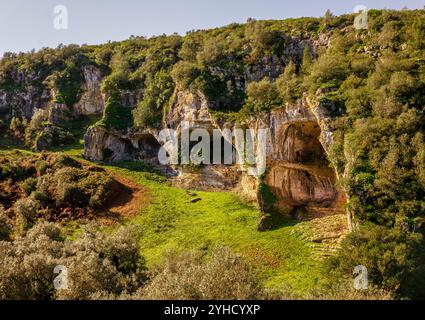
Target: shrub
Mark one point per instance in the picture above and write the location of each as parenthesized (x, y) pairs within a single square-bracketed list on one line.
[(116, 116), (184, 74), (29, 185), (158, 93), (5, 225), (263, 96), (224, 276), (95, 263), (25, 210), (17, 128), (394, 259), (66, 83), (26, 267), (288, 84), (100, 263), (328, 68)]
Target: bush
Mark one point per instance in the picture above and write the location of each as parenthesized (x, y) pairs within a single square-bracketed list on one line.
[(328, 68), (29, 185), (158, 93), (394, 259), (26, 267), (116, 116), (96, 263), (288, 84), (5, 225), (41, 134), (224, 276), (26, 211), (263, 96), (184, 74), (67, 83), (17, 128)]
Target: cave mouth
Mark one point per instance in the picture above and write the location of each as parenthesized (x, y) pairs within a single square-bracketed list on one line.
[(302, 145), (148, 149), (302, 177)]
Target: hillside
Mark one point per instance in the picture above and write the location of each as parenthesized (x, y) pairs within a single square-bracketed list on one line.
[(344, 110)]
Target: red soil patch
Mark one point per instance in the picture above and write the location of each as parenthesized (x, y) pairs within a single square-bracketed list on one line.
[(128, 198)]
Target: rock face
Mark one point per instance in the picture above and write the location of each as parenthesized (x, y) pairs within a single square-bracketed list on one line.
[(92, 100), (298, 173), (103, 145), (25, 101), (22, 103)]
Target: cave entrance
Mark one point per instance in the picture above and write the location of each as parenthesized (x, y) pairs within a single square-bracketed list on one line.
[(302, 176), (301, 145), (148, 147)]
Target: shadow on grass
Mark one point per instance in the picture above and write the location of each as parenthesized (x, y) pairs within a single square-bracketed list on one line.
[(149, 171), (274, 220)]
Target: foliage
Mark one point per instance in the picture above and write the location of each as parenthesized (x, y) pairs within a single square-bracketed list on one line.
[(263, 96), (49, 186), (223, 276), (17, 128), (5, 225), (66, 83), (157, 94), (95, 263), (116, 116), (394, 258)]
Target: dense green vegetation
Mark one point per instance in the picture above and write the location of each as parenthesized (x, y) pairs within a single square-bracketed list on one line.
[(53, 187), (171, 255), (115, 115)]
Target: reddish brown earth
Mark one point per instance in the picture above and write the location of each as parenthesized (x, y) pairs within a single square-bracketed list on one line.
[(127, 201)]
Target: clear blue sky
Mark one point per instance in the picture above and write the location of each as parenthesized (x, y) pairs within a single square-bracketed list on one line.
[(28, 24)]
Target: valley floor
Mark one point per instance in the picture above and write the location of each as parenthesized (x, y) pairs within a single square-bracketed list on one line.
[(291, 255)]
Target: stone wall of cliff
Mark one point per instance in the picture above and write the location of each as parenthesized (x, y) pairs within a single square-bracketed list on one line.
[(24, 102)]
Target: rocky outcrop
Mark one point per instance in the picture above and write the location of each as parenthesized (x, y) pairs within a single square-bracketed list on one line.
[(92, 100), (104, 145), (26, 98), (101, 144), (22, 103), (298, 173)]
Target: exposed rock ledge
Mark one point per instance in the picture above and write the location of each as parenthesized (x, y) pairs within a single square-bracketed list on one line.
[(297, 173)]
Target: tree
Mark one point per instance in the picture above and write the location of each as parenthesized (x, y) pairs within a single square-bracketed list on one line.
[(17, 128), (328, 16), (307, 58), (158, 92), (394, 259), (288, 84), (419, 33), (116, 115), (263, 96)]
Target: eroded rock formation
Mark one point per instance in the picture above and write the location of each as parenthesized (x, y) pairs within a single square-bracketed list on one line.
[(297, 170), (25, 101)]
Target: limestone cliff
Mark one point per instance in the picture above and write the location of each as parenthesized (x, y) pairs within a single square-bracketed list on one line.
[(298, 172), (24, 101)]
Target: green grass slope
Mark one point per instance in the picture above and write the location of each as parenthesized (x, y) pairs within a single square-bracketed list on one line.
[(172, 222)]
